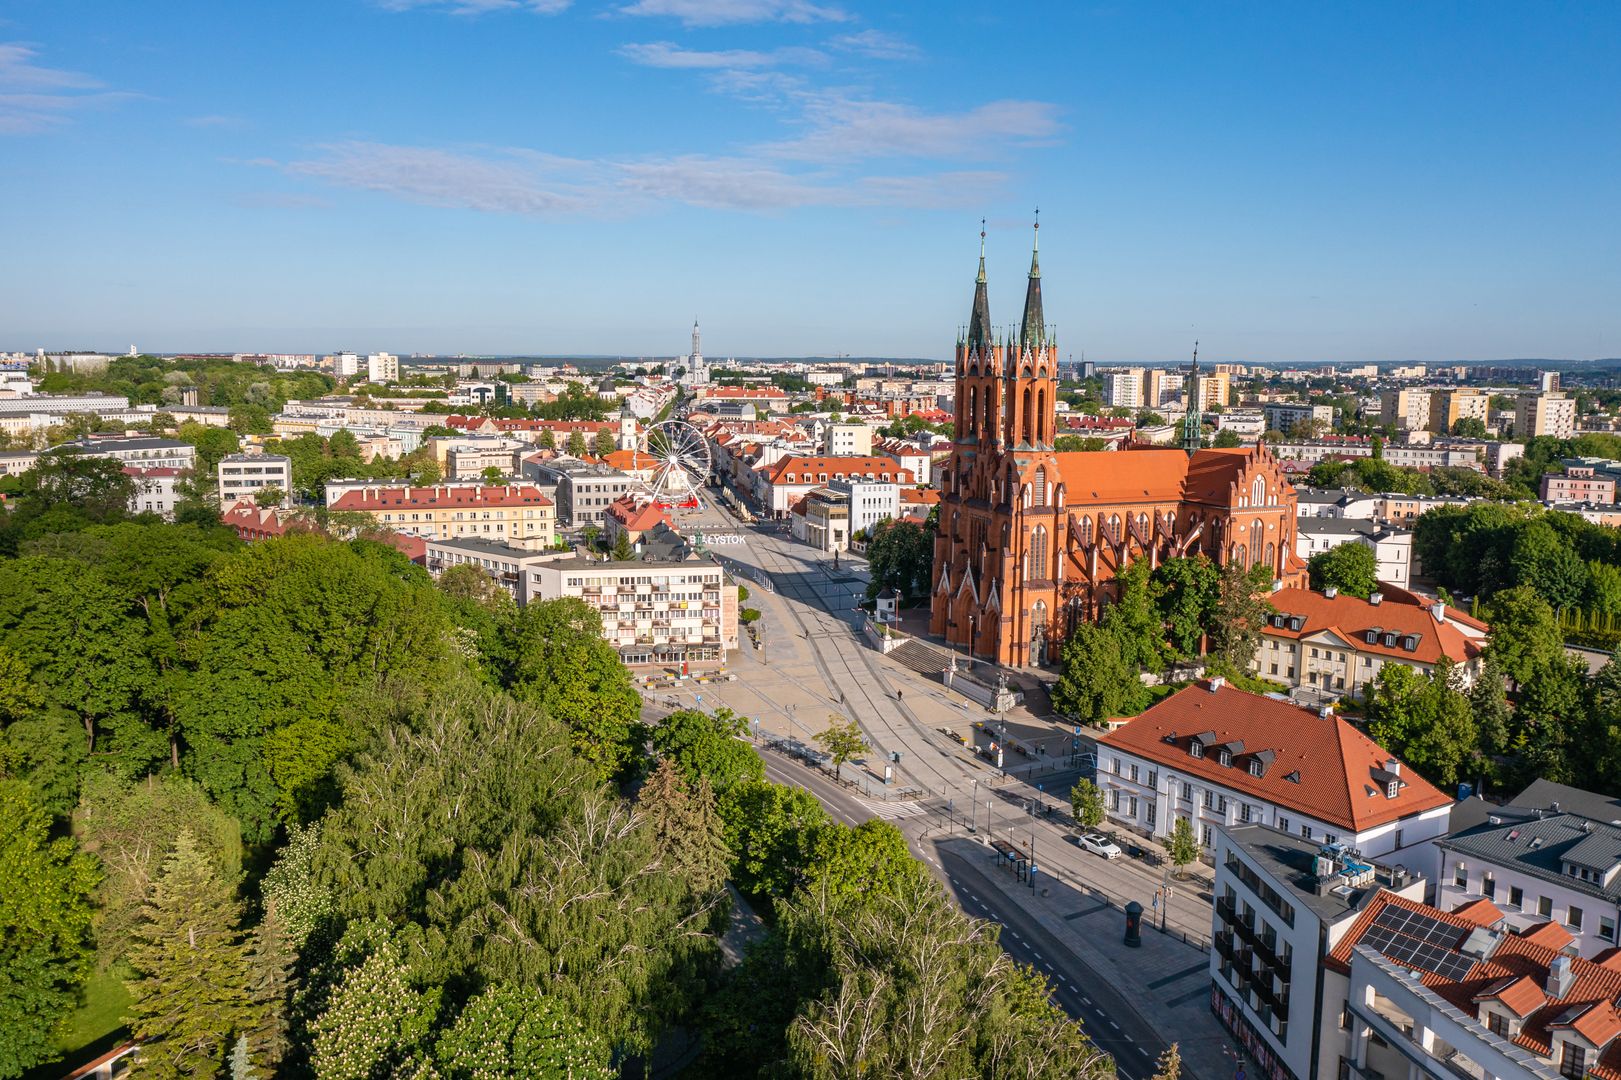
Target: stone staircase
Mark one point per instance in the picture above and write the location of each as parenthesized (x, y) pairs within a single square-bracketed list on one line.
[(920, 657)]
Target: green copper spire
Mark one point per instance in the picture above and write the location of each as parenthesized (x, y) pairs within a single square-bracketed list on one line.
[(1193, 424), (979, 323), (1033, 330)]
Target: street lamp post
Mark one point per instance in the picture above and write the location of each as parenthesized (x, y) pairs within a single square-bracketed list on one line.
[(973, 799)]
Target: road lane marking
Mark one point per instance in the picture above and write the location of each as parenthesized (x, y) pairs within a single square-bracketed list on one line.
[(1114, 1025), (1143, 1052)]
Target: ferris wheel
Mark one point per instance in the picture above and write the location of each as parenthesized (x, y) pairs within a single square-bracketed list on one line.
[(678, 456)]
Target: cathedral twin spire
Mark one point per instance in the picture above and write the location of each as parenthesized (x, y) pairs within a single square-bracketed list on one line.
[(1032, 329)]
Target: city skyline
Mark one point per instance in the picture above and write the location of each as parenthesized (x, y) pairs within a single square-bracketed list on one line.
[(548, 178)]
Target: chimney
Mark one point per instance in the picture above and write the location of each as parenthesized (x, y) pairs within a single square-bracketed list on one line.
[(1326, 712), (1393, 766), (1439, 610), (1560, 976), (1376, 598), (1216, 683), (1331, 592)]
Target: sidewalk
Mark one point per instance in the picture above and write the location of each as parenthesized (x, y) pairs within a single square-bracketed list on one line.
[(1165, 981)]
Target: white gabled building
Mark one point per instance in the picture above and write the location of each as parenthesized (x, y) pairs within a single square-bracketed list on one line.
[(1220, 756)]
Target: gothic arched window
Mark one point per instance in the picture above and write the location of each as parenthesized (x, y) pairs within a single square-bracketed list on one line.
[(1041, 485), (1086, 529), (1114, 527), (1258, 492), (1272, 557), (1037, 564), (1257, 534)]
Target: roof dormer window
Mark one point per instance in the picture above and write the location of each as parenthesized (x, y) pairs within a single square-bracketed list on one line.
[(1392, 789), (1256, 768), (1224, 758), (1196, 748)]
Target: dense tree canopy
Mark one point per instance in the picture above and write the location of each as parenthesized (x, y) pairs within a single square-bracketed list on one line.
[(1351, 568)]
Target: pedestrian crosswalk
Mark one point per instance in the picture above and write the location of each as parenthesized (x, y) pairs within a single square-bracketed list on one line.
[(890, 811)]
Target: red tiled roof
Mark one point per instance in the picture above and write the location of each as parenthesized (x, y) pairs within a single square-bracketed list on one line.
[(920, 496), (1481, 912), (367, 499), (1515, 972), (1549, 934), (1334, 764), (848, 466), (1351, 617), (155, 470), (635, 518), (1108, 476)]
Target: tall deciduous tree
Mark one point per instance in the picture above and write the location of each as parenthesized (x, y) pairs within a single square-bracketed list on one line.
[(45, 951), (190, 991), (1240, 614), (1135, 621), (770, 830), (900, 555), (576, 444), (1095, 682), (1086, 803), (1524, 636), (1187, 589), (707, 747), (1351, 568), (842, 740), (604, 444), (515, 1033)]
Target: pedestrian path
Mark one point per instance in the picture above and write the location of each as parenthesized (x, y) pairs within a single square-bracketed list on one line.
[(893, 811)]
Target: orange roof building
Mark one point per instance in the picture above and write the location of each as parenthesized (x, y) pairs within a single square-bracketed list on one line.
[(1030, 540), (1221, 756), (516, 514)]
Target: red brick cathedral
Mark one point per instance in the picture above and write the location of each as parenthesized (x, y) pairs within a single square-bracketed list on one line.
[(1030, 539)]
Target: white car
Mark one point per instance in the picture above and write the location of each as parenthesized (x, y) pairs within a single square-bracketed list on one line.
[(1098, 844)]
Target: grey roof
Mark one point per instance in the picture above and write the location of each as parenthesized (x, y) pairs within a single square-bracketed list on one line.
[(1546, 795), (493, 549), (124, 444), (1540, 846), (1290, 860)]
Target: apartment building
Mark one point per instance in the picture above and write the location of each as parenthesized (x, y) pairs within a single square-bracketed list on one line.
[(506, 565), (1405, 410), (1287, 416), (242, 476), (1161, 386), (653, 612), (1218, 756), (1123, 389), (848, 440), (1447, 407), (1281, 903), (157, 489), (1578, 483), (792, 477), (1327, 645), (1551, 414), (1392, 548), (585, 490), (141, 452), (516, 514), (382, 367)]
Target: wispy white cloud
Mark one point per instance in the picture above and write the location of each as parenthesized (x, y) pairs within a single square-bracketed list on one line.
[(517, 181), (847, 128), (34, 98), (478, 7), (732, 12), (877, 45), (666, 54), (214, 120)]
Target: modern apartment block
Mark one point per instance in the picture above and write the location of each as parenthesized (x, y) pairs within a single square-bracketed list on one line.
[(140, 452), (1405, 410), (516, 514), (652, 612), (1447, 407), (243, 476), (382, 367), (1551, 414), (508, 566), (1123, 389)]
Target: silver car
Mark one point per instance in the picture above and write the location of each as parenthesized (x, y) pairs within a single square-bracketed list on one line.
[(1098, 844)]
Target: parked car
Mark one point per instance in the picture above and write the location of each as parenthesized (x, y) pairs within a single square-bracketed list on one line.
[(1098, 844)]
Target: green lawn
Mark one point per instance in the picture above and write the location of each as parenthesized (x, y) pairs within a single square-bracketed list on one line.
[(90, 1030)]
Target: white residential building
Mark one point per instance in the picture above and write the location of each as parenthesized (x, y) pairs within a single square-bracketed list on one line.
[(849, 440), (652, 612), (142, 452), (506, 565), (382, 367), (242, 476), (1392, 548), (345, 365), (1286, 416), (1219, 756), (157, 489), (1123, 389), (871, 501)]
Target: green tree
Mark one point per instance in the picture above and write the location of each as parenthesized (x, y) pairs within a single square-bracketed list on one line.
[(375, 1023), (514, 1033), (1524, 636), (604, 444), (686, 826), (707, 747), (1135, 621), (1086, 803), (1186, 591), (576, 445), (1351, 568), (1239, 615), (290, 889), (266, 498), (95, 487), (1226, 439), (492, 475), (1425, 720), (857, 864), (623, 549), (272, 957), (900, 555), (842, 740), (45, 949), (770, 830), (561, 663), (548, 439), (1603, 589), (1095, 683), (1066, 444), (589, 534), (1183, 846), (190, 990)]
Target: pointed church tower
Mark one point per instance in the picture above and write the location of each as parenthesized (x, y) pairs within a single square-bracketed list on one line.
[(1032, 372)]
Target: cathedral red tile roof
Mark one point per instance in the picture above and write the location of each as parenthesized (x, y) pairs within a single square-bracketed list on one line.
[(1320, 767), (1112, 476)]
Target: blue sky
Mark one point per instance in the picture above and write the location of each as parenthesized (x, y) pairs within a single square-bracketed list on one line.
[(1285, 182)]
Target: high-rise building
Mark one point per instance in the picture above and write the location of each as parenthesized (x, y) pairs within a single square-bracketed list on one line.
[(345, 365), (1123, 389), (1405, 410), (383, 367), (1161, 385), (1551, 414), (1548, 381), (1447, 407), (694, 369)]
